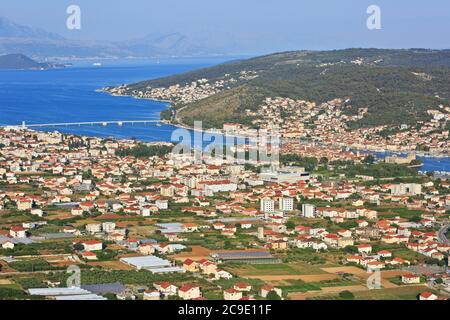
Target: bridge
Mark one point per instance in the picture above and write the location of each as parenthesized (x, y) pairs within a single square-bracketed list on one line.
[(86, 123)]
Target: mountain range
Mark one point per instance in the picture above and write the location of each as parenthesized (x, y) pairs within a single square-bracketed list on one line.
[(40, 44)]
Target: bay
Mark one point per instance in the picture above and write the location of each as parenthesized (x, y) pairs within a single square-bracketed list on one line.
[(71, 95)]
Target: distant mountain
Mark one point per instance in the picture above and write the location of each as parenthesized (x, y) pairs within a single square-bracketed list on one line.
[(9, 29), (22, 62), (173, 44), (42, 44)]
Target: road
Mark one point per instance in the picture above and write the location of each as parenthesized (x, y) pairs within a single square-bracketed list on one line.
[(442, 234)]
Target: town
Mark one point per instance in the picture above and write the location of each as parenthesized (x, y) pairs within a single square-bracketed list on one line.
[(139, 222)]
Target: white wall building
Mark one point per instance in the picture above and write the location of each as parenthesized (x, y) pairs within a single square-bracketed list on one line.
[(267, 205), (286, 204), (308, 210)]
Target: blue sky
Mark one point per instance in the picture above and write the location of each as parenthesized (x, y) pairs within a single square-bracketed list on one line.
[(258, 25)]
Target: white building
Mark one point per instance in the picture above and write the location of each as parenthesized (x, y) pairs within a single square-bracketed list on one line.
[(406, 189), (108, 227), (93, 228), (162, 204), (267, 205), (286, 204), (308, 210)]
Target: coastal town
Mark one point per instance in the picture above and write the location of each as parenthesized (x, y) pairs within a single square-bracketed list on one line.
[(85, 218), (327, 123)]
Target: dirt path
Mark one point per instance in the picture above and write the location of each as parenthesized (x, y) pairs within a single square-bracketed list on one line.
[(326, 291), (306, 278)]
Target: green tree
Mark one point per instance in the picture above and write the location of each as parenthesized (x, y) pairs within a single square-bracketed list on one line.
[(272, 295), (347, 295)]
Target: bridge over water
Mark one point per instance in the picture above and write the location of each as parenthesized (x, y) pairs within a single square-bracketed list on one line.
[(86, 123)]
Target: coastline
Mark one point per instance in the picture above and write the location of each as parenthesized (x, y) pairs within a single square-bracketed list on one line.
[(357, 149)]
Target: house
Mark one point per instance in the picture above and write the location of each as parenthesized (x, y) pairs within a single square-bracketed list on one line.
[(384, 254), (69, 229), (207, 267), (222, 274), (146, 248), (37, 212), (8, 245), (364, 248), (242, 286), (190, 227), (345, 242), (88, 255), (427, 296), (92, 245), (24, 204), (438, 255), (232, 294), (17, 232), (410, 278), (246, 225), (190, 265), (166, 288), (266, 289), (218, 226), (93, 228), (76, 212), (374, 266), (189, 292), (278, 245), (162, 204)]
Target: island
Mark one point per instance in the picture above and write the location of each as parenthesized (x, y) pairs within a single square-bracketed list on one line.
[(22, 62)]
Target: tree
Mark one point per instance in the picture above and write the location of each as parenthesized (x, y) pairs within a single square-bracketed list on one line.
[(351, 249), (347, 295), (290, 225), (78, 247), (110, 296), (272, 295), (369, 159)]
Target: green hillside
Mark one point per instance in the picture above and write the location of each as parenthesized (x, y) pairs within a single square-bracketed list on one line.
[(396, 85)]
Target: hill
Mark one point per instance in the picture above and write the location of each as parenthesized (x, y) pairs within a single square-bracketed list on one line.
[(21, 62), (397, 86)]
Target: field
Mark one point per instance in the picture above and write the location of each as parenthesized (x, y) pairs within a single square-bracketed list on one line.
[(111, 265), (197, 253)]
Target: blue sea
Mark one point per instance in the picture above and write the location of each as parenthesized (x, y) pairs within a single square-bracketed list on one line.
[(69, 95)]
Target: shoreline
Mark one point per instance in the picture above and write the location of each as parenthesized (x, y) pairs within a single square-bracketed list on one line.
[(371, 150)]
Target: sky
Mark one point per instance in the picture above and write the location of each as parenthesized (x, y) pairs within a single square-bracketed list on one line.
[(251, 25)]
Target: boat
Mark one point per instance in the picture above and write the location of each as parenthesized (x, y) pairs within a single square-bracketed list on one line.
[(97, 64)]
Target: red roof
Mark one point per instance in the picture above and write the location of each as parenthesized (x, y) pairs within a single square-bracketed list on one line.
[(188, 262), (88, 254), (426, 294), (187, 287), (17, 228), (242, 285), (410, 275), (90, 242)]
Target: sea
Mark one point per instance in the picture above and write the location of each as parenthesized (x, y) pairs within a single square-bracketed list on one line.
[(72, 95)]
